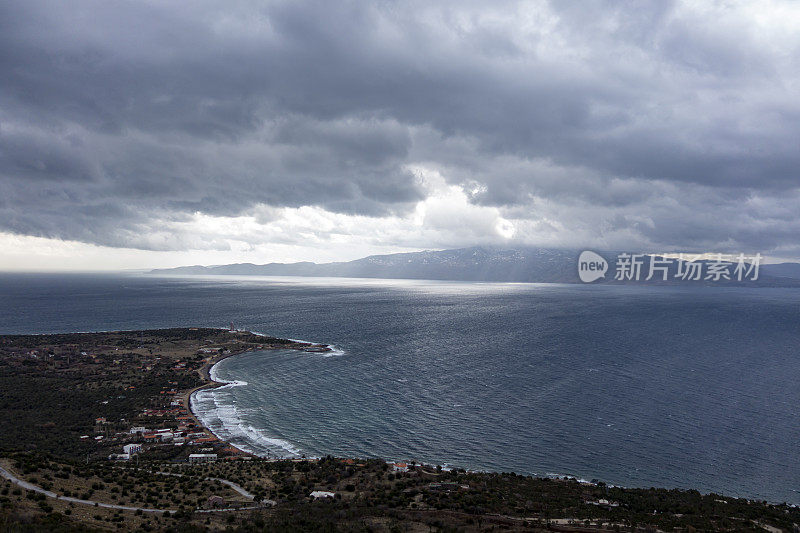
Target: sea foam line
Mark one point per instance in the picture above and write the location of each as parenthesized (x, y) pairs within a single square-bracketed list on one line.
[(230, 423), (333, 353)]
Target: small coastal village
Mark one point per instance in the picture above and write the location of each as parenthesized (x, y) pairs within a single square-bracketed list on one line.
[(152, 376), (97, 433), (545, 257)]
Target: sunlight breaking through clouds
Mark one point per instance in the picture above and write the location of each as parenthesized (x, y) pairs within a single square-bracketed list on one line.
[(269, 130)]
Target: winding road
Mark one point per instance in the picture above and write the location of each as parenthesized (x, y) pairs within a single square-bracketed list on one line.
[(29, 486)]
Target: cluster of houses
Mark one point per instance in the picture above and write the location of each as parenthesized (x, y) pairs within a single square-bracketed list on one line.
[(128, 451), (148, 437), (185, 434), (602, 502)]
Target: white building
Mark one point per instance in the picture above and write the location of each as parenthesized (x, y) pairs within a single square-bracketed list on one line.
[(317, 494), (131, 449), (202, 457), (400, 467), (119, 457), (138, 429)]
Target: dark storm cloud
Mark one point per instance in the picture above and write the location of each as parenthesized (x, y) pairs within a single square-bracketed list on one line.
[(116, 117)]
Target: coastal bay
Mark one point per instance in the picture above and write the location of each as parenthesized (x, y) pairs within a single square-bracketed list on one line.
[(61, 489), (538, 380)]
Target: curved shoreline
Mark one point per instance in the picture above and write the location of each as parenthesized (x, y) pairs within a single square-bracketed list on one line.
[(210, 385), (207, 370), (206, 373)]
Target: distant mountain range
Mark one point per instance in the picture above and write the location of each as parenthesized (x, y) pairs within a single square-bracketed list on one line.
[(534, 265)]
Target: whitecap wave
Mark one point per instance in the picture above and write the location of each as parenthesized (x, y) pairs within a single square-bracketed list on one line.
[(217, 410), (552, 475), (334, 351), (214, 375)]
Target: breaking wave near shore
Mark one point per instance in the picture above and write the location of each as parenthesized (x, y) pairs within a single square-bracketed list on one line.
[(334, 350), (217, 409)]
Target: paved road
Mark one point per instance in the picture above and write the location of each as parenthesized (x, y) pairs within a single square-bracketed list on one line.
[(238, 488), (29, 486)]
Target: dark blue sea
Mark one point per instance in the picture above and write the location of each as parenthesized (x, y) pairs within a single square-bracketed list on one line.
[(636, 386)]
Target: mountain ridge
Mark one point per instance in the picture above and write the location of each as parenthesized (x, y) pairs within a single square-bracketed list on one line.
[(477, 263)]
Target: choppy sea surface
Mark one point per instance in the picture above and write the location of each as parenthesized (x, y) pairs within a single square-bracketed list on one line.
[(636, 386)]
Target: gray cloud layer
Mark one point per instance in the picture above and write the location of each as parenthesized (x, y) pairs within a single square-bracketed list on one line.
[(660, 123)]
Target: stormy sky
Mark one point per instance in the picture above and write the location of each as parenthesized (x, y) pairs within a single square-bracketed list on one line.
[(137, 134)]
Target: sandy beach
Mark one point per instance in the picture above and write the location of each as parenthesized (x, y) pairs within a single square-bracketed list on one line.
[(205, 374)]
